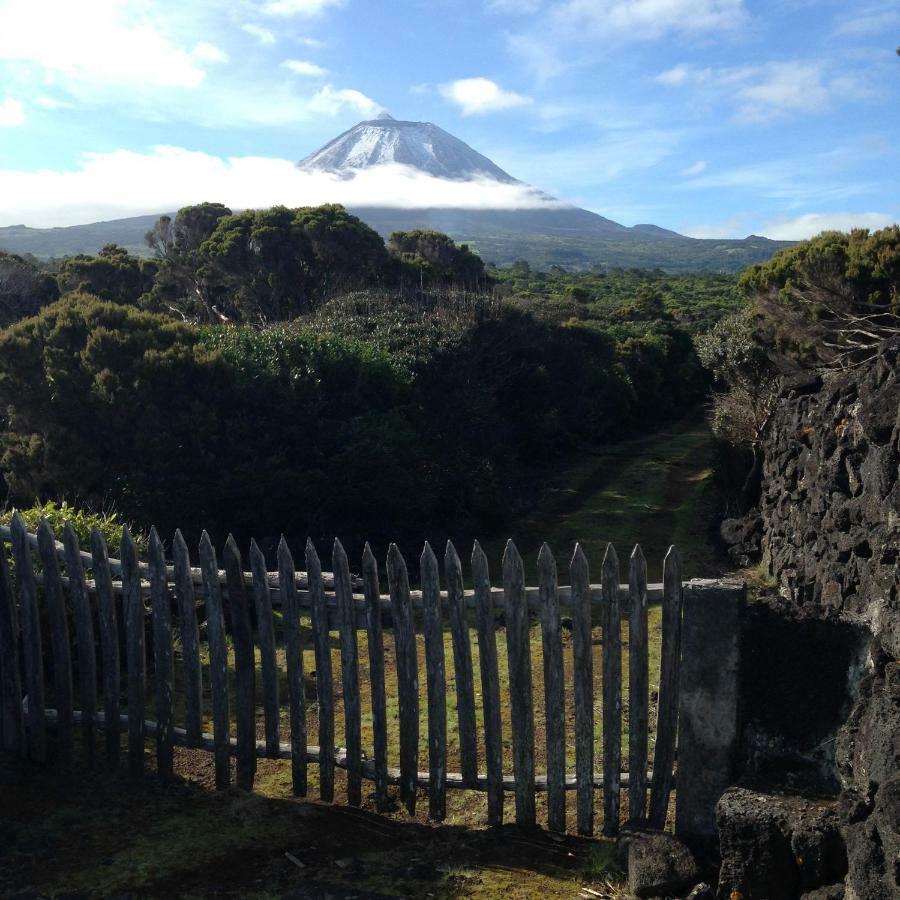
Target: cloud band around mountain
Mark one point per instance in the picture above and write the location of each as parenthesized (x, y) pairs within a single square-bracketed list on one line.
[(123, 183)]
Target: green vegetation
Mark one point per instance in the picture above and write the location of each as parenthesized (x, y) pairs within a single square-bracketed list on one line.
[(24, 288), (831, 300), (82, 521)]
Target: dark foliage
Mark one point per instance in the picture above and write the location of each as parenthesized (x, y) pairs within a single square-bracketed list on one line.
[(24, 288)]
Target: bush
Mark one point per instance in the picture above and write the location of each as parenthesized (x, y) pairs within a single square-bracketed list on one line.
[(81, 520)]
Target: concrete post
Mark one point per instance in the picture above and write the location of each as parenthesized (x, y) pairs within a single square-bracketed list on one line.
[(708, 706)]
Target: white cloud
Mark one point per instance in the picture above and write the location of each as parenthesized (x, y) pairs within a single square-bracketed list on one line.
[(475, 96), (811, 224), (209, 53), (649, 19), (263, 35), (783, 88), (169, 177), (12, 113), (868, 21), (105, 41), (331, 101), (774, 90), (306, 69), (695, 169), (298, 7)]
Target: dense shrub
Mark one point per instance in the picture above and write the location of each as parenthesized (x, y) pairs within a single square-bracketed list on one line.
[(830, 300), (24, 288), (375, 418), (82, 521)]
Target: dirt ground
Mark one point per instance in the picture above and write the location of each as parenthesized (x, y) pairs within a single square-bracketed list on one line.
[(92, 834)]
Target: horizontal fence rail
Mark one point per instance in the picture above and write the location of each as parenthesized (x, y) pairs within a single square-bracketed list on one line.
[(129, 617)]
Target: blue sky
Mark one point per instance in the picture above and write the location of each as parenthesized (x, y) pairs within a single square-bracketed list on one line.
[(712, 117)]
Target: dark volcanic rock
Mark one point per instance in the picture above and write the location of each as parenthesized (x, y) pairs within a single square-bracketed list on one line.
[(777, 846), (659, 865)]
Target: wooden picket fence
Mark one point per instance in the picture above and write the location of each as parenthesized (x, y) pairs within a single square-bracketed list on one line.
[(45, 601)]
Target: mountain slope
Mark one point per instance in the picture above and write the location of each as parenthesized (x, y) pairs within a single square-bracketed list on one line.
[(386, 140)]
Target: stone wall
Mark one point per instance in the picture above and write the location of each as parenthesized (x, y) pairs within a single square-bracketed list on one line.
[(830, 504), (829, 527)]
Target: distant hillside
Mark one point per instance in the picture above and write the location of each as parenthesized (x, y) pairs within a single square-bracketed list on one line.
[(570, 237)]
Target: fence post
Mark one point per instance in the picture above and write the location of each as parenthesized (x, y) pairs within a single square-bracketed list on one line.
[(583, 660), (554, 691), (12, 725), (490, 683), (346, 610), (611, 623), (319, 615), (708, 715), (638, 684), (218, 661), (375, 635), (293, 653), (244, 666), (433, 627), (163, 665), (518, 643), (265, 632), (59, 641), (136, 663), (84, 635), (462, 665), (190, 641), (667, 710), (407, 675), (109, 645)]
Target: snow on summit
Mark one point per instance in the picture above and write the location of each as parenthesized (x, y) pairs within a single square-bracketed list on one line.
[(421, 145)]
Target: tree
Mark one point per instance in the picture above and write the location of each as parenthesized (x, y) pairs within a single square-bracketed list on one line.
[(182, 285), (264, 266), (24, 288), (831, 300), (113, 274), (746, 388), (433, 258)]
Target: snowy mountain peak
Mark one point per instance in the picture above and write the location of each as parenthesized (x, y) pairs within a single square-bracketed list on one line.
[(388, 140)]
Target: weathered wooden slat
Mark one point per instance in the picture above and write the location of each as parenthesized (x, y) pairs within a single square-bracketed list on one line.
[(163, 661), (133, 604), (462, 663), (376, 675), (518, 643), (244, 666), (323, 673), (638, 685), (490, 684), (265, 632), (407, 675), (433, 627), (109, 640), (349, 673), (218, 661), (583, 664), (12, 723), (293, 652), (454, 779), (554, 692), (611, 623), (667, 711), (59, 640), (190, 640), (84, 637)]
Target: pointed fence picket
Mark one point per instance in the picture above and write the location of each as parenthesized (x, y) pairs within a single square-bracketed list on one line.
[(170, 606)]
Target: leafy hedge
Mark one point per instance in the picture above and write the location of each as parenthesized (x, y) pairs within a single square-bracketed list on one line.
[(375, 418)]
